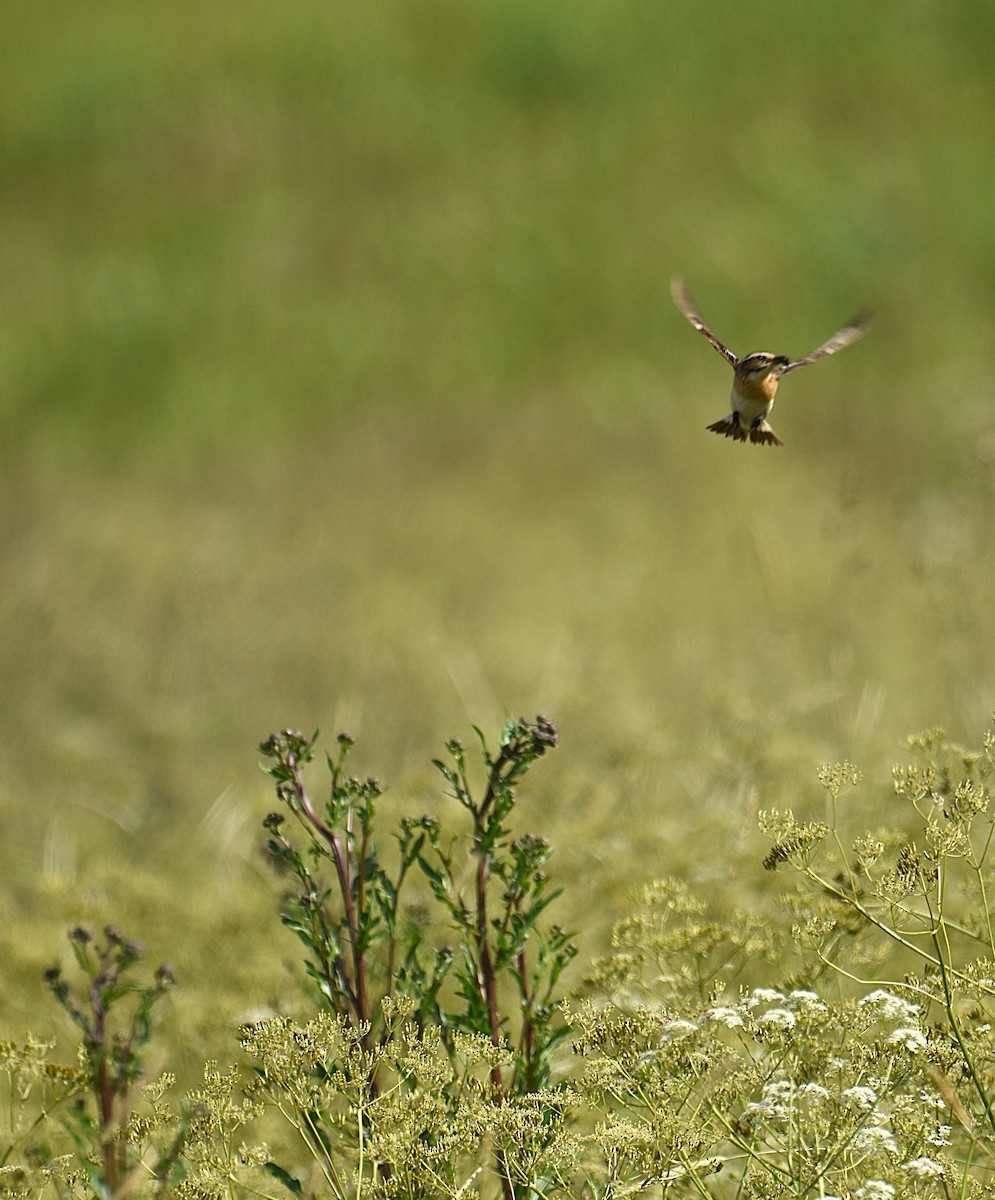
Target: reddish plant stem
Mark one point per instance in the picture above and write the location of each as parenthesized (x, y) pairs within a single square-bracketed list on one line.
[(105, 1094), (488, 979), (362, 1004)]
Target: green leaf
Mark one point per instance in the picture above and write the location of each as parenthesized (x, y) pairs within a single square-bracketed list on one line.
[(289, 1182), (434, 875)]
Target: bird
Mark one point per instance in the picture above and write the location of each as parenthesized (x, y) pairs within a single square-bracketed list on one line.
[(755, 377)]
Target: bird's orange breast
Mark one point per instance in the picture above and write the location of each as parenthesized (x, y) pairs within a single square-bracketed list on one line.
[(758, 390)]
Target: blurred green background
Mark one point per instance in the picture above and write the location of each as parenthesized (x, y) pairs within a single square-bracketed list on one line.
[(341, 387)]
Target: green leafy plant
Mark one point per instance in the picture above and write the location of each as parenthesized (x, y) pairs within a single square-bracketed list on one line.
[(114, 1011), (494, 945), (364, 951)]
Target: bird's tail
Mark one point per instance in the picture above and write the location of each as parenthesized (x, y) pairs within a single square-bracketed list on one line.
[(761, 433), (764, 435), (729, 427)]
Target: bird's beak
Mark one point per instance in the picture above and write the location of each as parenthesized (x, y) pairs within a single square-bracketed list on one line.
[(781, 361)]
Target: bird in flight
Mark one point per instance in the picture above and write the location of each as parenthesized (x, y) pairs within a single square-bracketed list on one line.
[(755, 377)]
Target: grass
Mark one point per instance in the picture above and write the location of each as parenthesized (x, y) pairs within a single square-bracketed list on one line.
[(341, 386), (429, 1067)]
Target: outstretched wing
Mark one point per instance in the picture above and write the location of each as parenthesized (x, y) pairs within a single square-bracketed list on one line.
[(679, 291), (848, 334)]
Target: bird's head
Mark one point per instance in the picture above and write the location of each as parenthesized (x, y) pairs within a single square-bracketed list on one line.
[(758, 366)]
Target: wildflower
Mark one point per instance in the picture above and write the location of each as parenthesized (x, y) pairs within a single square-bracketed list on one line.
[(909, 1039), (763, 996), (731, 1018), (753, 1116), (876, 1140), (815, 1093), (806, 1002), (761, 1112), (675, 1030), (772, 1106), (940, 1136), (868, 850), (923, 1168), (778, 1018), (779, 1090), (863, 1098), (874, 1189), (883, 1006)]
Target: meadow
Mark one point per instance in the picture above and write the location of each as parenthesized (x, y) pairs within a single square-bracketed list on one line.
[(341, 388)]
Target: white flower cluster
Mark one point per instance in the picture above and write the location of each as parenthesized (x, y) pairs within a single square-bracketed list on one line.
[(862, 1098), (940, 1136), (909, 1039), (883, 1006), (722, 1014), (860, 1113), (875, 1139), (673, 1031), (923, 1168), (805, 1002), (780, 1099), (778, 1018), (874, 1189), (764, 1009), (782, 1010), (773, 1106), (763, 996)]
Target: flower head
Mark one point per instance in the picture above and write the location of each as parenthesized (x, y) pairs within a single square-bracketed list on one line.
[(923, 1168), (875, 1189), (909, 1039), (883, 1006), (862, 1098), (731, 1018)]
